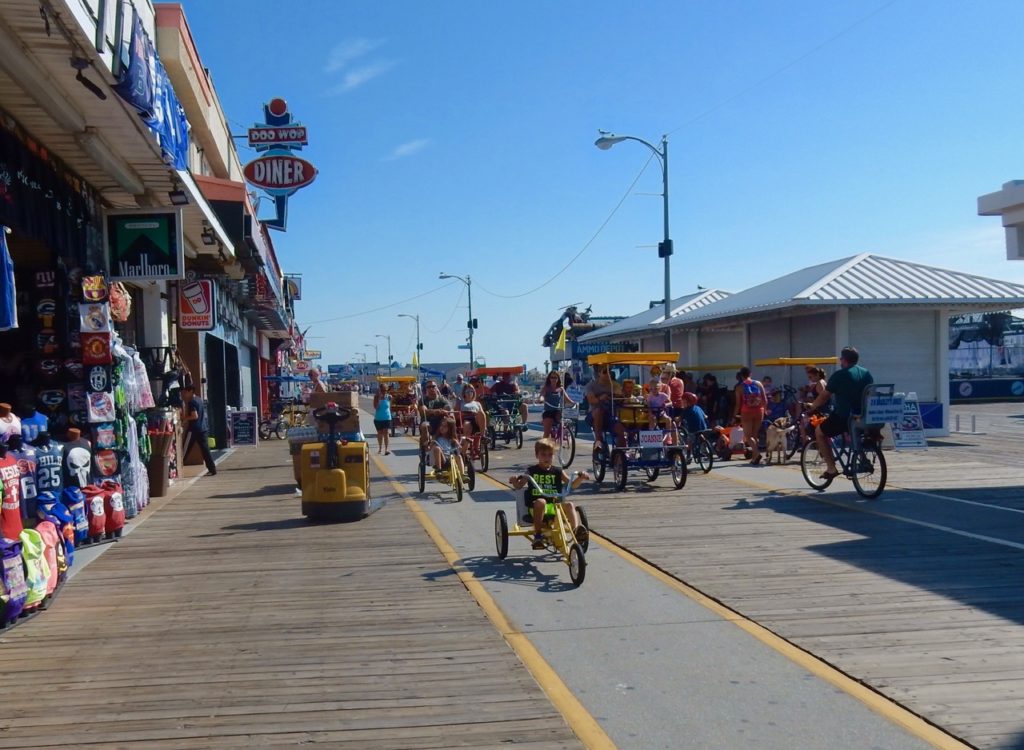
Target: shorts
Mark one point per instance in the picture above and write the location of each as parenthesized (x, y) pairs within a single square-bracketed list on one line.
[(834, 425), (555, 414), (382, 424)]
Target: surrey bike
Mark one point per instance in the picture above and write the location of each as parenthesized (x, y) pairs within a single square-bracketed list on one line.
[(858, 453), (504, 418), (650, 449), (556, 531)]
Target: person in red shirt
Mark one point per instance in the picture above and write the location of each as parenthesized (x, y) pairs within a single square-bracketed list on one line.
[(676, 389)]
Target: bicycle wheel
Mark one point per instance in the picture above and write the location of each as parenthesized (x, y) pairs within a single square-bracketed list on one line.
[(585, 523), (577, 564), (485, 455), (599, 462), (421, 473), (869, 472), (470, 475), (620, 472), (501, 534), (458, 485), (792, 443), (679, 469), (704, 454), (519, 437), (493, 433), (652, 472), (566, 447), (812, 466)]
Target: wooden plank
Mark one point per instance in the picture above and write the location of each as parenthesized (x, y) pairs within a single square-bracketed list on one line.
[(227, 620)]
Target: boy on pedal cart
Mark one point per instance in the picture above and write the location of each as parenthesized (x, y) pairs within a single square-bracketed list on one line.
[(550, 479)]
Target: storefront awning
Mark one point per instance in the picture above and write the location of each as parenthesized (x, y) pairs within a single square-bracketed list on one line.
[(199, 214)]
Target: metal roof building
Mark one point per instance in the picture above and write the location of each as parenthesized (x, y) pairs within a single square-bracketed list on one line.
[(895, 312)]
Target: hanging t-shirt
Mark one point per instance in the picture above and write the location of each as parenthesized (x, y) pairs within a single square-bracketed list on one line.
[(10, 507), (26, 459), (9, 425), (77, 463), (8, 291), (50, 467), (32, 425)]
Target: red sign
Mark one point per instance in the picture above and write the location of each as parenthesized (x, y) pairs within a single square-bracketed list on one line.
[(301, 366), (269, 135), (279, 172), (195, 306)]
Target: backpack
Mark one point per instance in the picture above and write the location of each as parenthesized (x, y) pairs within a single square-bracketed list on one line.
[(54, 561), (55, 512), (113, 505), (752, 394), (74, 501), (36, 570), (13, 589), (95, 508)]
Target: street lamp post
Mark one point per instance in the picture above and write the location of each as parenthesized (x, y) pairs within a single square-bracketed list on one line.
[(471, 324), (418, 344), (605, 142), (388, 337), (376, 356)]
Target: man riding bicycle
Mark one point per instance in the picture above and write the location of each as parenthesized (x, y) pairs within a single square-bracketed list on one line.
[(847, 385), (508, 388), (433, 409)]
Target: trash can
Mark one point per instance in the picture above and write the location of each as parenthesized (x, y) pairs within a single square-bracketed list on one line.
[(159, 469)]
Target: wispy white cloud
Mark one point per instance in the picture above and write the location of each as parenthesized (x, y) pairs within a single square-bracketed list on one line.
[(358, 76), (348, 50), (407, 149)]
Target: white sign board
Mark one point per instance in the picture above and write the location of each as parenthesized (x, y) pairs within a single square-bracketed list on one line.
[(908, 430), (651, 438), (884, 409)]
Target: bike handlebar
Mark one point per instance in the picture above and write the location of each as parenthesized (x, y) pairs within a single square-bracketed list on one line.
[(554, 495)]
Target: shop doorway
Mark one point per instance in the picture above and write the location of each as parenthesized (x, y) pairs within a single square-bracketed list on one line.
[(216, 397)]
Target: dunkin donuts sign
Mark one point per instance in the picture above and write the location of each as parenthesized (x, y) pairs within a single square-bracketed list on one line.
[(278, 171), (196, 308)]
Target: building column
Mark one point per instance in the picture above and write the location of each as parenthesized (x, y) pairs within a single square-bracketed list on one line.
[(156, 314), (842, 316), (942, 367)]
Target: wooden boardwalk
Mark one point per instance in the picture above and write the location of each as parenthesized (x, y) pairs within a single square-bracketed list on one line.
[(931, 619), (226, 620)]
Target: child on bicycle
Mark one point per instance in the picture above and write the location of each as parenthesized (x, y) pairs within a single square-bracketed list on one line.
[(551, 479), (445, 447), (658, 402)]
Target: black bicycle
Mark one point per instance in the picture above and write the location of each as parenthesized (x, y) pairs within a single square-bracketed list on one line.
[(859, 457)]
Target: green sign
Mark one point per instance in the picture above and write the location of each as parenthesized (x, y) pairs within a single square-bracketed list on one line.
[(144, 245)]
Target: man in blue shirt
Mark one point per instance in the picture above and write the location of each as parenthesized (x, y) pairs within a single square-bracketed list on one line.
[(193, 417), (847, 386)]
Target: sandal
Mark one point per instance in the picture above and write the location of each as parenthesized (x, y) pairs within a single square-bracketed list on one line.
[(829, 475)]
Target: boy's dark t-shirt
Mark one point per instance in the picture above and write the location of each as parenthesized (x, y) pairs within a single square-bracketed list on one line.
[(549, 480)]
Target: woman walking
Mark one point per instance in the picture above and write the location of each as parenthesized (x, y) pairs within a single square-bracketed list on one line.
[(750, 404), (382, 419)]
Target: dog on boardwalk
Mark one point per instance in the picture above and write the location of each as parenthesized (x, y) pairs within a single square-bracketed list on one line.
[(775, 441)]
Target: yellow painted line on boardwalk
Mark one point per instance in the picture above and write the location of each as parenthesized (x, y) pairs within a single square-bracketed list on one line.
[(578, 718), (874, 700)]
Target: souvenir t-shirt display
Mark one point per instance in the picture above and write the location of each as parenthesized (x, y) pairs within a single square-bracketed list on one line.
[(10, 507), (10, 424), (50, 467), (32, 424), (25, 456), (77, 460)]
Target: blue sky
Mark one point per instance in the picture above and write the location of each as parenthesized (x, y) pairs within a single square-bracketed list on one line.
[(458, 137)]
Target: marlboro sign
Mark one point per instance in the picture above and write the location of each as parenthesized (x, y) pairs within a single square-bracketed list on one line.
[(144, 244)]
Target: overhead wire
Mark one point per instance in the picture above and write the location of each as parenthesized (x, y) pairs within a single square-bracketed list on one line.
[(450, 316), (585, 247), (382, 307), (779, 71)]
